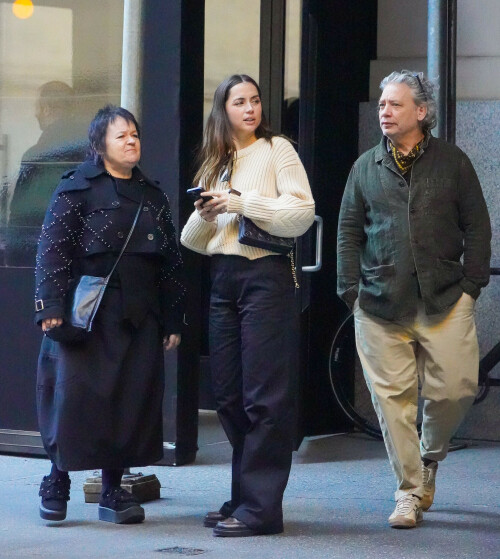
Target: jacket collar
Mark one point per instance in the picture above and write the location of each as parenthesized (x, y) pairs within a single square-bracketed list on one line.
[(382, 153), (91, 171)]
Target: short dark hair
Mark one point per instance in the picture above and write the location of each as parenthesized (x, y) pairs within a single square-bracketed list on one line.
[(99, 126)]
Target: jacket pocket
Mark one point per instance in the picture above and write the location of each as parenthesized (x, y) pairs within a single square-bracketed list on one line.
[(438, 191), (378, 271), (448, 273), (376, 285), (377, 289)]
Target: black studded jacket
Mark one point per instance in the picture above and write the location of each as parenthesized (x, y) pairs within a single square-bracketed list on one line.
[(85, 226)]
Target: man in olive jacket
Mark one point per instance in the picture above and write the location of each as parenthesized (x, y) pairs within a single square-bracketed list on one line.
[(413, 254)]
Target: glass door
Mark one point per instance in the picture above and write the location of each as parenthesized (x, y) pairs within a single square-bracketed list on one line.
[(60, 60)]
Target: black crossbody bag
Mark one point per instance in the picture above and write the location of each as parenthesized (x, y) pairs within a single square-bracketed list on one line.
[(251, 235), (83, 299)]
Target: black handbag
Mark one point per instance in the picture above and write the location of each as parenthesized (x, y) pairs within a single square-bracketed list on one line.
[(83, 299), (251, 235)]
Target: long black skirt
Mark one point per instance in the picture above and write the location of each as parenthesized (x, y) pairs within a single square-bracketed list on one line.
[(100, 402)]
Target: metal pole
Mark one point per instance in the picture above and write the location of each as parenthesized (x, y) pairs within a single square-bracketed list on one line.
[(272, 59), (437, 42), (451, 120), (132, 56)]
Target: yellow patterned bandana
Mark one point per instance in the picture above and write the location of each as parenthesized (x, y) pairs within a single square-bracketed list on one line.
[(404, 162)]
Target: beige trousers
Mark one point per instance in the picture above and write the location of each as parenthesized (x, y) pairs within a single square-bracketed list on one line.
[(443, 350)]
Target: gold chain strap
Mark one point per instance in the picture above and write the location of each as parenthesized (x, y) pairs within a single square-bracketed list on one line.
[(294, 271)]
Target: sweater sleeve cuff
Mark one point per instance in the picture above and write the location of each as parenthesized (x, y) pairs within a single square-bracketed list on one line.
[(201, 224), (236, 204)]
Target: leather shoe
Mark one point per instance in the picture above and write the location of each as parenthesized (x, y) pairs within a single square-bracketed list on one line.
[(212, 517), (233, 528)]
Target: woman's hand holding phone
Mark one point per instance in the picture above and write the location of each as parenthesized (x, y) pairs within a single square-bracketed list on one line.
[(210, 204)]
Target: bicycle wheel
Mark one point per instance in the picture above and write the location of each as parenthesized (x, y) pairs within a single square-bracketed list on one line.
[(486, 365), (349, 385)]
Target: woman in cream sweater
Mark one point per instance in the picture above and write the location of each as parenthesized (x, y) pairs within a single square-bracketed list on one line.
[(253, 324)]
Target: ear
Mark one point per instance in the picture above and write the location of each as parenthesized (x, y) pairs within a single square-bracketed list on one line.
[(421, 112), (43, 110)]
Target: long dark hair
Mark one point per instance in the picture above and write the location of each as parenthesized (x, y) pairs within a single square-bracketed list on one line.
[(99, 126), (218, 149)]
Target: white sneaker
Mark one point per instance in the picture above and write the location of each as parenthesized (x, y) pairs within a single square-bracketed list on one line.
[(407, 512), (429, 480)]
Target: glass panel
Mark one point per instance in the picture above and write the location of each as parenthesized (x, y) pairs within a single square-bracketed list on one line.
[(232, 37), (57, 67), (293, 33), (292, 48)]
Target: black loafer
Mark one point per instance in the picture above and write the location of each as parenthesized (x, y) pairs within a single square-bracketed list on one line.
[(233, 528), (212, 517)]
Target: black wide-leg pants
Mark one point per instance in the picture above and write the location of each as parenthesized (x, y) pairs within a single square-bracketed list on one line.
[(254, 355)]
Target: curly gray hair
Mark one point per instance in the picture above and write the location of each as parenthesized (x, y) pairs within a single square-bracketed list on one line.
[(423, 93)]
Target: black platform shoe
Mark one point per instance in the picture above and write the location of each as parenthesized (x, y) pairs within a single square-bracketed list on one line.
[(54, 492), (119, 506)]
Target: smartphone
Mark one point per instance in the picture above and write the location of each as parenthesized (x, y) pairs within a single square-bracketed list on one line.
[(196, 193)]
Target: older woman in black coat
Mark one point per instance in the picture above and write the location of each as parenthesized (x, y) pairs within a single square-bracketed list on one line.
[(100, 400)]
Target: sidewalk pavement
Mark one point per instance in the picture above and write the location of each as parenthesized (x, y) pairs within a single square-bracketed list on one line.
[(336, 506)]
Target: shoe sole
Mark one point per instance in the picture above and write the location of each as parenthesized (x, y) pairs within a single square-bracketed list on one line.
[(210, 523), (237, 533), (54, 515), (244, 532), (132, 515), (405, 523)]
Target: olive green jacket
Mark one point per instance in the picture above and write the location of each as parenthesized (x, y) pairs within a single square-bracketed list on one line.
[(395, 239)]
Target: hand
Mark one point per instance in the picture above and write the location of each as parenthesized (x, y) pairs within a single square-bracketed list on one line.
[(205, 211), (49, 323), (211, 209), (171, 342)]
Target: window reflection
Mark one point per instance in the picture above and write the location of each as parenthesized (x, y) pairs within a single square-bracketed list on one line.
[(56, 69), (291, 85), (232, 38)]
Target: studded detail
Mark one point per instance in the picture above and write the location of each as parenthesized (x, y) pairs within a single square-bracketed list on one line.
[(82, 222), (55, 488), (117, 496)]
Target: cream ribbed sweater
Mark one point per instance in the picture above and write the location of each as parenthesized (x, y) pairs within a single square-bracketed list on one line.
[(275, 194)]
